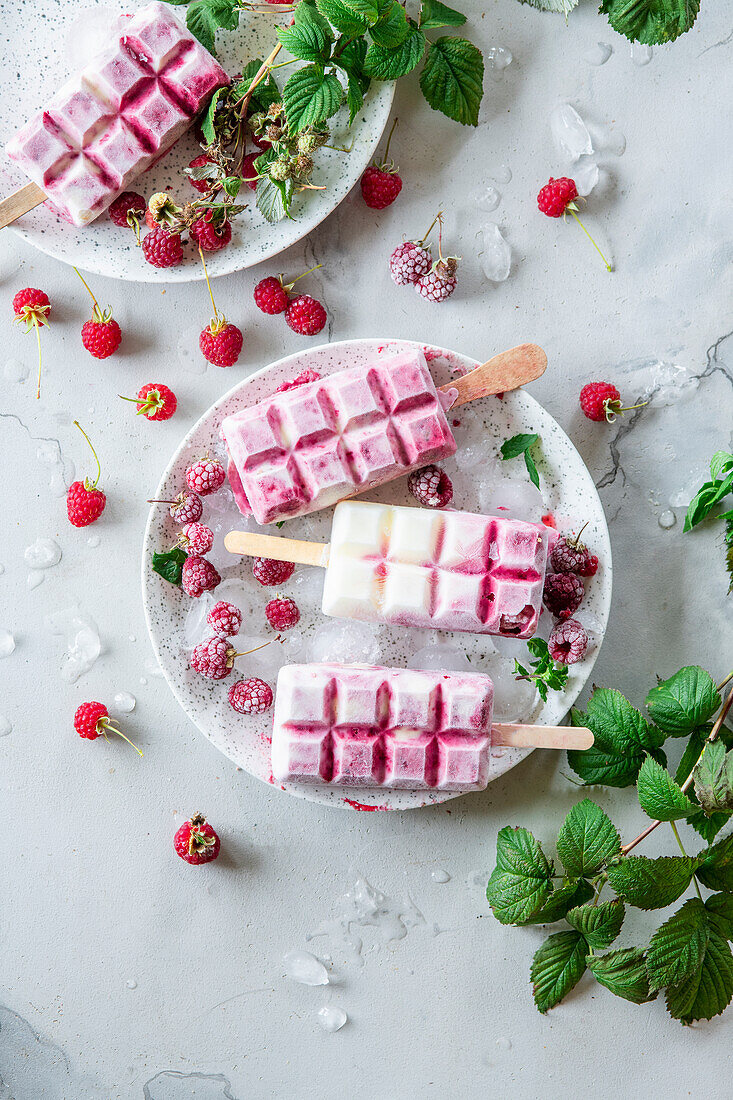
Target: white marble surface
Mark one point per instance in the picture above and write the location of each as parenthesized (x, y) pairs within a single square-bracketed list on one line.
[(127, 974)]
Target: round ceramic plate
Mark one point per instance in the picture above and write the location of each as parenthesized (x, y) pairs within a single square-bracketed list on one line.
[(61, 42), (482, 483)]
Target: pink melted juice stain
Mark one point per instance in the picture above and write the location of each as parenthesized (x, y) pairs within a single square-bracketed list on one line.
[(363, 806)]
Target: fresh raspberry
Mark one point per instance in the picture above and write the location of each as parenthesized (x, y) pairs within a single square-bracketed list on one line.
[(31, 308), (127, 210), (563, 594), (271, 296), (380, 187), (211, 235), (149, 219), (301, 379), (196, 841), (213, 658), (409, 262), (221, 344), (439, 283), (251, 696), (431, 486), (101, 336), (555, 197), (205, 476), (84, 504), (161, 248), (197, 538), (269, 571), (91, 719), (600, 401), (186, 508), (225, 619), (282, 614), (199, 162), (155, 401), (305, 315), (249, 172), (570, 555), (198, 576), (568, 642)]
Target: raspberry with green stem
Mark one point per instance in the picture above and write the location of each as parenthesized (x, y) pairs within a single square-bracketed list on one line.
[(557, 198), (85, 502), (32, 307)]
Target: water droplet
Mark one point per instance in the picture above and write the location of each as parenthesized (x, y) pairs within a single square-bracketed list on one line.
[(7, 643), (667, 519), (15, 371), (35, 577), (6, 726), (504, 1044), (331, 1018), (124, 702), (598, 54), (143, 681), (487, 197), (93, 541), (83, 644), (132, 638), (499, 59), (439, 875), (503, 174), (42, 554), (131, 983), (302, 967), (640, 54)]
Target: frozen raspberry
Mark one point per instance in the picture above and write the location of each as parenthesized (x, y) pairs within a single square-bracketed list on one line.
[(305, 315), (251, 696), (568, 642), (197, 538), (31, 308), (439, 283), (301, 379), (186, 508), (269, 571), (570, 555), (198, 576), (409, 262), (199, 162), (205, 476), (600, 401), (431, 486), (91, 719), (101, 336), (221, 344), (249, 172), (271, 296), (213, 658), (282, 614), (563, 594), (225, 619), (380, 186), (211, 235), (556, 195), (155, 401), (161, 248), (128, 210), (196, 841)]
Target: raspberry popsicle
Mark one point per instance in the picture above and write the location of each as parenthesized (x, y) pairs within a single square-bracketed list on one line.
[(311, 446), (117, 116), (415, 567)]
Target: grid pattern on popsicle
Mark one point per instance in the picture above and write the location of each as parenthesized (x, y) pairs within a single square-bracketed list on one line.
[(113, 119), (322, 440), (372, 727), (457, 570)]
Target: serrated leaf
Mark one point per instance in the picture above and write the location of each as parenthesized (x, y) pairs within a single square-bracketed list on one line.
[(392, 28), (517, 445), (684, 701), (677, 947), (716, 866), (434, 14), (368, 10), (713, 779), (203, 22), (708, 827), (650, 21), (273, 197), (600, 924), (557, 967), (720, 464), (452, 79), (347, 22), (691, 755), (587, 839), (720, 914), (619, 727), (385, 64), (169, 565), (354, 97), (623, 972), (597, 765), (564, 898), (708, 991), (557, 7), (306, 40), (266, 92), (659, 795), (521, 882), (651, 883), (207, 122), (310, 97)]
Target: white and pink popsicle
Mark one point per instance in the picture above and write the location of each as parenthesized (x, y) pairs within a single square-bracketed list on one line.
[(111, 121), (418, 567), (314, 445)]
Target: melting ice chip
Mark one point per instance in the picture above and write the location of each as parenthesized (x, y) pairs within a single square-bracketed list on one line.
[(487, 197), (436, 656), (14, 370), (345, 641), (499, 59), (7, 643), (123, 703), (569, 132), (301, 966), (83, 644), (586, 176), (331, 1018), (496, 254), (640, 54), (42, 554)]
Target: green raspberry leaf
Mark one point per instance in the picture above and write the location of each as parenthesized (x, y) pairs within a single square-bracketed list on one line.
[(597, 765), (354, 97), (623, 972), (720, 464), (273, 197), (392, 28), (713, 779), (651, 22), (587, 839), (619, 727), (691, 755), (204, 17), (170, 565), (720, 914), (265, 94), (684, 701), (207, 121), (708, 991), (716, 869), (347, 22), (708, 827), (659, 795), (558, 7), (433, 14), (532, 470), (651, 883), (452, 80), (310, 97), (521, 882), (572, 893), (557, 967), (384, 64), (600, 924), (676, 949), (310, 38), (368, 10)]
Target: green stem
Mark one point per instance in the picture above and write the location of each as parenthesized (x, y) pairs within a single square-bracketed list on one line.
[(37, 327), (96, 459), (574, 215), (86, 284)]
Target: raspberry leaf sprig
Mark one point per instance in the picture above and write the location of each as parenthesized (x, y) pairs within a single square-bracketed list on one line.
[(708, 496), (689, 954)]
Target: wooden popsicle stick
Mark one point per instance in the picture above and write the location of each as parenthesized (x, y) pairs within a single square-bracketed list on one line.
[(281, 549), (541, 737), (20, 202), (504, 372)]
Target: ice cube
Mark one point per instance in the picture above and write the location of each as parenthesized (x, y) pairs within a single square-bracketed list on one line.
[(331, 1018), (487, 197), (7, 643), (499, 59), (569, 132), (42, 554), (195, 627), (308, 587), (345, 641), (514, 700), (437, 655), (586, 176), (302, 967), (511, 498), (496, 254)]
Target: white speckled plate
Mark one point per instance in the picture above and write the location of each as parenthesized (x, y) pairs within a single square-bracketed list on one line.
[(480, 484), (54, 45)]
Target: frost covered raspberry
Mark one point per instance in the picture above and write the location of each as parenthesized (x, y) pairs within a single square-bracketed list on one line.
[(225, 619), (268, 571), (251, 696), (431, 486), (570, 555), (568, 642), (198, 576), (213, 658), (197, 538), (563, 594), (205, 476), (282, 614), (409, 262)]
